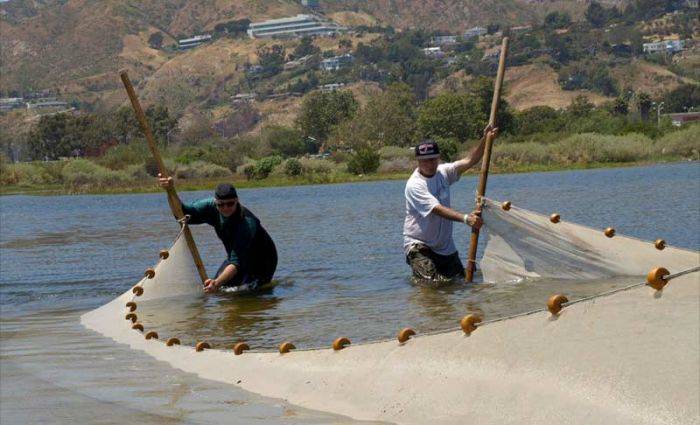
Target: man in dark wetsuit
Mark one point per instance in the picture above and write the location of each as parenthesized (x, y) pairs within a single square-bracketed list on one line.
[(252, 256)]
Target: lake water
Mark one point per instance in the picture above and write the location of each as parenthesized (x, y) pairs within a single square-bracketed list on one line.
[(341, 268)]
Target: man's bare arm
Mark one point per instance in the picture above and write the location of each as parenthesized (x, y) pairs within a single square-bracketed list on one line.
[(475, 155), (470, 219)]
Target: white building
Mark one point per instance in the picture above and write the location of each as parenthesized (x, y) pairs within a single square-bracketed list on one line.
[(336, 62), (475, 32), (443, 40), (9, 103), (188, 43), (47, 103), (297, 26), (331, 87), (433, 52), (668, 46)]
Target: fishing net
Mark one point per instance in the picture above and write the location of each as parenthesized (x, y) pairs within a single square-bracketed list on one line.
[(521, 244), (174, 276)]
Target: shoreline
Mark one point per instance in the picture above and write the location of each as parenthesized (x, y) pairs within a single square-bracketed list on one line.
[(189, 185)]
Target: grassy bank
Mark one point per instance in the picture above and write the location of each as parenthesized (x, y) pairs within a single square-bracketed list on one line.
[(578, 151)]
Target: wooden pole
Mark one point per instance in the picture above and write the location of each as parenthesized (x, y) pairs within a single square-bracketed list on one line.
[(173, 199), (486, 160)]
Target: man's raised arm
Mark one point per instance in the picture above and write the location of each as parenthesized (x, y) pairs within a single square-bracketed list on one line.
[(475, 155)]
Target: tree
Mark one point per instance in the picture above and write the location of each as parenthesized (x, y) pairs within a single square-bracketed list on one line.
[(448, 115), (319, 112), (620, 106), (284, 141), (596, 14), (580, 106), (388, 119), (644, 105), (538, 119), (304, 48), (271, 58), (682, 98), (48, 138), (160, 121), (556, 20), (155, 40)]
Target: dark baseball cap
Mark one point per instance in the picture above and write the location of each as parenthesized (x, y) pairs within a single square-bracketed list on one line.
[(225, 191), (427, 149)]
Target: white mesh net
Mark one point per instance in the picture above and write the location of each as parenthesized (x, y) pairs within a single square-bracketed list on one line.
[(522, 244), (175, 276)]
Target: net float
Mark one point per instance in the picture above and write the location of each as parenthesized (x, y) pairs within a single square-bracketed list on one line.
[(138, 290), (660, 244), (554, 218), (285, 347), (131, 306), (201, 346), (657, 278), (405, 334), (163, 254), (469, 323), (172, 341), (131, 316), (137, 326), (554, 303), (239, 348), (340, 343), (149, 273), (506, 205), (609, 232), (152, 335)]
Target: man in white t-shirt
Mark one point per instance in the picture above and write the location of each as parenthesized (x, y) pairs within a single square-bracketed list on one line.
[(427, 229)]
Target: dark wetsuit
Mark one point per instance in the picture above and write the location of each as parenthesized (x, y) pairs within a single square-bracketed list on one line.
[(248, 246)]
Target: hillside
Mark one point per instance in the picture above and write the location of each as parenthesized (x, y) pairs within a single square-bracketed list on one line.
[(49, 43)]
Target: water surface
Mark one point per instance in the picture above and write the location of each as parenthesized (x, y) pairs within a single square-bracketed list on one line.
[(341, 268)]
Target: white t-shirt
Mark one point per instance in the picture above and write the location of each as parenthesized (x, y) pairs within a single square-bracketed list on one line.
[(422, 195)]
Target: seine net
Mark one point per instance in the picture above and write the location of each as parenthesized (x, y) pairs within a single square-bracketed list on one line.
[(522, 244)]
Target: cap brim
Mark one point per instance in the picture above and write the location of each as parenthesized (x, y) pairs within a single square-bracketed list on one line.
[(435, 155)]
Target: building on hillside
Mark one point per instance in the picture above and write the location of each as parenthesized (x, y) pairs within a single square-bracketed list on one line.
[(243, 98), (475, 32), (9, 103), (444, 40), (682, 118), (520, 29), (189, 43), (667, 46), (45, 103), (331, 87), (434, 52), (337, 62), (296, 26), (297, 62)]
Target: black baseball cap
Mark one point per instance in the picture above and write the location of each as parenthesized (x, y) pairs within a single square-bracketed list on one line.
[(225, 191), (427, 149)]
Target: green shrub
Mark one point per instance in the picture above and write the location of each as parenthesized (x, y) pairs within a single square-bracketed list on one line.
[(396, 165), (201, 170), (364, 161), (448, 148), (591, 147), (122, 156), (392, 152), (292, 167), (512, 154), (80, 173), (28, 174), (685, 142)]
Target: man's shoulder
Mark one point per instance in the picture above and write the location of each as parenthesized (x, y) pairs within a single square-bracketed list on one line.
[(415, 180)]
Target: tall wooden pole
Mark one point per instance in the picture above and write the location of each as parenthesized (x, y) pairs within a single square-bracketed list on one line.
[(173, 199), (486, 160)]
